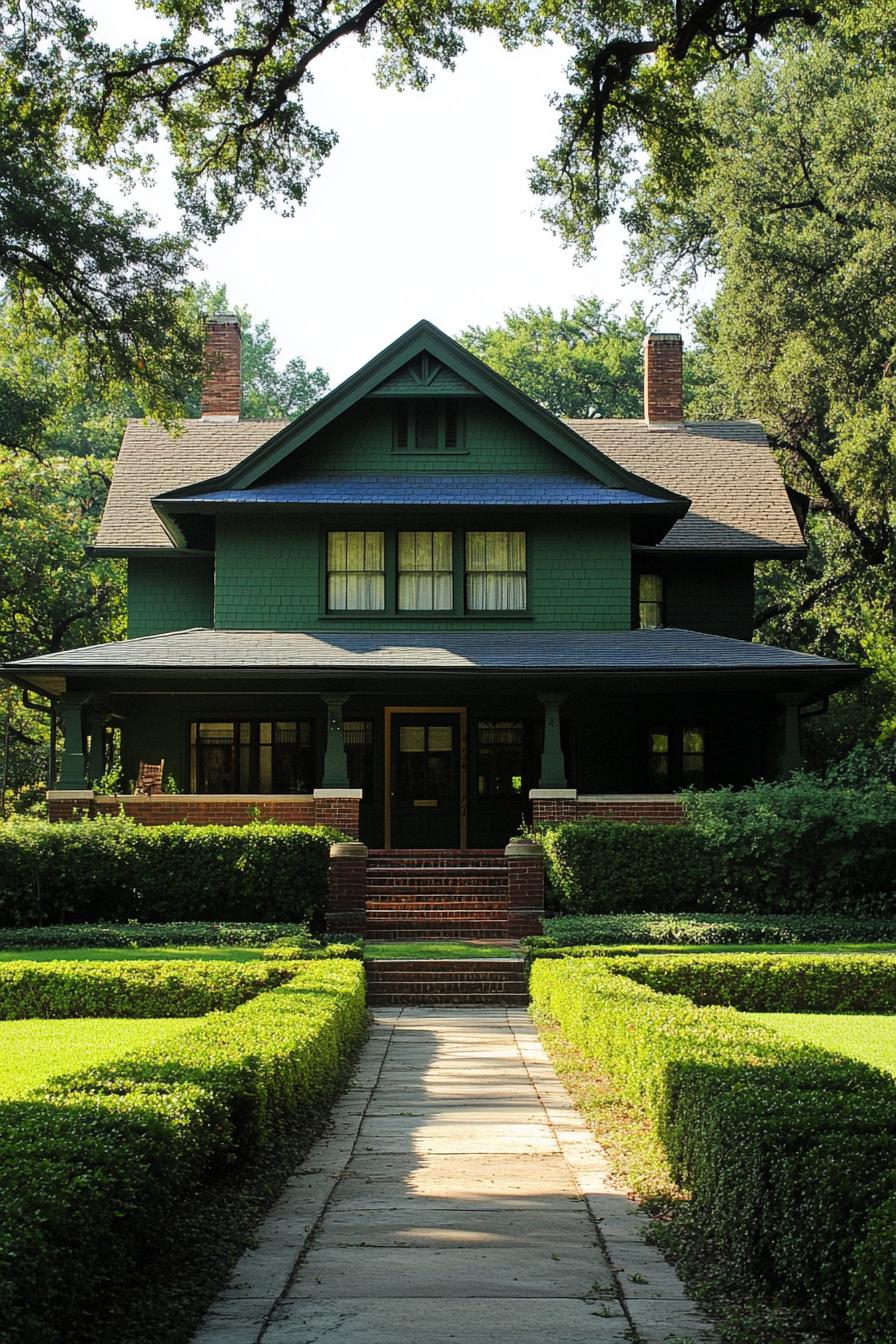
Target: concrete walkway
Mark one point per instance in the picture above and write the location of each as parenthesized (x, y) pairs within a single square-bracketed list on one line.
[(457, 1196)]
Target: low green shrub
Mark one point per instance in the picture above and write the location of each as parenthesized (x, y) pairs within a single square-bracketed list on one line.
[(597, 867), (709, 929), (104, 1171), (798, 846), (786, 1148), (132, 934), (303, 952), (130, 988), (872, 1296), (754, 982), (114, 869)]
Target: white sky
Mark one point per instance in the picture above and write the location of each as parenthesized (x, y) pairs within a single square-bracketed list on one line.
[(422, 209)]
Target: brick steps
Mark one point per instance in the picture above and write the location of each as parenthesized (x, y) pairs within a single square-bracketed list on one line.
[(496, 981)]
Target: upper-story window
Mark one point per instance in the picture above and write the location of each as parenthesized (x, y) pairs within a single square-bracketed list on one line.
[(496, 577), (356, 571), (651, 615), (425, 571), (427, 425)]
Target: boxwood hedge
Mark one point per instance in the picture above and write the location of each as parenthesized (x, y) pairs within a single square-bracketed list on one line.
[(104, 1170), (799, 846), (112, 869), (130, 988), (757, 983), (710, 929), (787, 1149)]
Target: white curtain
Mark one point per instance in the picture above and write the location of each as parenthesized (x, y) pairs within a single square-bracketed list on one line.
[(356, 579), (425, 571), (496, 571)]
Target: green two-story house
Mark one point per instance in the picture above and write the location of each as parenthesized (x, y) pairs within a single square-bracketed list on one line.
[(427, 606)]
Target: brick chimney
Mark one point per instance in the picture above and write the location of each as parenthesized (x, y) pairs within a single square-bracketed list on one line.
[(663, 390), (221, 379)]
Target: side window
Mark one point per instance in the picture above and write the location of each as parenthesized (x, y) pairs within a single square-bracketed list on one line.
[(651, 615), (676, 756), (500, 756), (495, 577), (357, 735), (356, 572)]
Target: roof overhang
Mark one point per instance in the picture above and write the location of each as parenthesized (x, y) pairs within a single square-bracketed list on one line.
[(299, 658)]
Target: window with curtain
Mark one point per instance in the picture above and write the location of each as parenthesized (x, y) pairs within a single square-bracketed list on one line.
[(357, 735), (676, 757), (500, 755), (650, 601), (425, 571), (356, 572), (496, 571), (252, 756)]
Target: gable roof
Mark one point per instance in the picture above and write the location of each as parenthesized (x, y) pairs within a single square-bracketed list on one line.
[(426, 339), (739, 501)]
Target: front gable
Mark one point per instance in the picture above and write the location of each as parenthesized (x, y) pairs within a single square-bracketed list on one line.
[(424, 362)]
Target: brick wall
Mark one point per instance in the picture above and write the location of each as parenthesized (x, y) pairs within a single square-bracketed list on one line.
[(211, 809), (659, 808), (663, 397)]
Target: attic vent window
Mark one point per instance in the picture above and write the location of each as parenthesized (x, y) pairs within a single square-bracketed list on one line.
[(427, 426)]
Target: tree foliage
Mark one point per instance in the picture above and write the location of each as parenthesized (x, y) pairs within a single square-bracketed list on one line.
[(223, 87), (795, 210), (55, 467)]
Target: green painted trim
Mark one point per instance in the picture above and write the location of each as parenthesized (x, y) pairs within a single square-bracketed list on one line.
[(426, 337)]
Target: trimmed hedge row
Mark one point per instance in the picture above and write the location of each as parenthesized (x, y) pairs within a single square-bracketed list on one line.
[(768, 984), (798, 846), (103, 1171), (709, 929), (192, 934), (114, 869), (130, 988), (786, 1149)]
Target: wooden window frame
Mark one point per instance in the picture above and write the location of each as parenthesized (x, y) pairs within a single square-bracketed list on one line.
[(674, 731), (638, 601), (404, 427), (489, 612), (355, 611), (253, 746)]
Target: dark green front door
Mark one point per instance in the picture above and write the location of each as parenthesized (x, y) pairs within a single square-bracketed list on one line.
[(425, 783)]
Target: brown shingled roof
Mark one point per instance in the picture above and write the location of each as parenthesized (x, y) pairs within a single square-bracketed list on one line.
[(725, 468), (739, 501), (152, 461)]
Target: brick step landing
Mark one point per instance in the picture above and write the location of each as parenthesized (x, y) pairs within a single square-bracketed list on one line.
[(496, 981)]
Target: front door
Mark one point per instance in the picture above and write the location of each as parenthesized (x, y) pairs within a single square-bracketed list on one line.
[(426, 779)]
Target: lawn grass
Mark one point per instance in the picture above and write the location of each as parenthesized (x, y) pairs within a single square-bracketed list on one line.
[(33, 1050), (135, 954), (868, 1037), (435, 951)]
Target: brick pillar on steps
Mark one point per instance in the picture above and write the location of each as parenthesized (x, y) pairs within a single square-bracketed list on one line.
[(347, 889), (525, 888)]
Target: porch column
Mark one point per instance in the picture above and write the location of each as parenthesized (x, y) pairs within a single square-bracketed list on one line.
[(96, 765), (335, 763), (791, 758), (553, 765), (72, 774)]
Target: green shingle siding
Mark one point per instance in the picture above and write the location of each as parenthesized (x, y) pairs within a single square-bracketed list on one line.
[(169, 594), (362, 441), (269, 577)]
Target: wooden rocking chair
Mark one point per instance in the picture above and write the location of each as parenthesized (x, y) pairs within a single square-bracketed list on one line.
[(149, 778)]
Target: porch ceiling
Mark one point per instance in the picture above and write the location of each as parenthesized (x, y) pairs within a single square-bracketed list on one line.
[(298, 655)]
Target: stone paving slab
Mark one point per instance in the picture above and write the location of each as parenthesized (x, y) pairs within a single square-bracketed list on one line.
[(456, 1196)]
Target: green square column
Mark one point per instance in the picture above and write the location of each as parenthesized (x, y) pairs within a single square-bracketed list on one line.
[(553, 764), (72, 774), (335, 762)]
